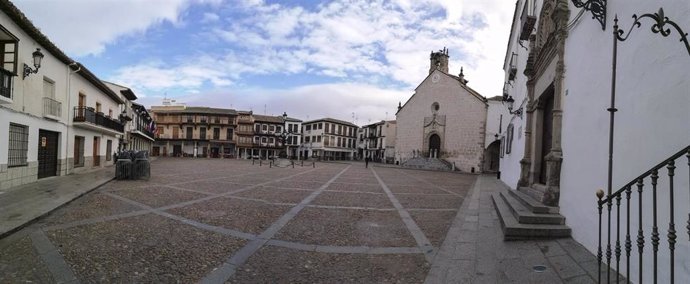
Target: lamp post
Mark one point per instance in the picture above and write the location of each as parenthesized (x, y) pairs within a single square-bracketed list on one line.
[(37, 57), (510, 101)]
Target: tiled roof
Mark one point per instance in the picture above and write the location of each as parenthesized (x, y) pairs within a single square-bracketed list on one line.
[(198, 110), (268, 118), (328, 119)]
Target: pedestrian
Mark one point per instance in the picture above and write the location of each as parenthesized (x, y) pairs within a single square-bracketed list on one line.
[(366, 162)]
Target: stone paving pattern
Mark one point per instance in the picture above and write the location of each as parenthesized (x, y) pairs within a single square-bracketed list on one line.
[(212, 221)]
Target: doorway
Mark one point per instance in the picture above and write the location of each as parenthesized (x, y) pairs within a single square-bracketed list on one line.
[(492, 157), (47, 153), (546, 133), (434, 144), (96, 157), (177, 150)]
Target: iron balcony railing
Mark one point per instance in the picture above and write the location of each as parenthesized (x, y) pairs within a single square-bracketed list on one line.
[(5, 83), (86, 114), (52, 107), (614, 251), (145, 130)]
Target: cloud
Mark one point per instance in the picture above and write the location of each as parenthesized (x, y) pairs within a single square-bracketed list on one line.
[(83, 27)]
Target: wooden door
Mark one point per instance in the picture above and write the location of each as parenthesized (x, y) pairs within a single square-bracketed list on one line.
[(547, 135), (96, 158), (47, 153)]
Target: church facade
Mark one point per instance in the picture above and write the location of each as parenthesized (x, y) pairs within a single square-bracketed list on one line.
[(444, 119)]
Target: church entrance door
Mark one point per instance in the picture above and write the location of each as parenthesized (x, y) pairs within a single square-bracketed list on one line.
[(547, 134), (434, 144)]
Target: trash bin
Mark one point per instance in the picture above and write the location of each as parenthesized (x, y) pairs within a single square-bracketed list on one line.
[(123, 169), (142, 166)]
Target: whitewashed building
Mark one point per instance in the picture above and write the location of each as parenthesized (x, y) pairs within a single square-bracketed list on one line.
[(561, 53), (139, 124), (444, 119), (329, 139), (56, 118), (379, 141), (293, 127)]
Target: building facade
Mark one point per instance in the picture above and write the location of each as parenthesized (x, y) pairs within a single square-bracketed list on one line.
[(57, 116), (379, 141), (559, 69), (267, 140), (293, 142), (139, 124), (329, 139), (203, 132), (444, 119)]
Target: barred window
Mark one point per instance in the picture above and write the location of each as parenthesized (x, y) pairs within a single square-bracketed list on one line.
[(18, 146)]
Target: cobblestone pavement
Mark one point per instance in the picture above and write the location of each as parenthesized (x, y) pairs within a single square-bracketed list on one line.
[(215, 221)]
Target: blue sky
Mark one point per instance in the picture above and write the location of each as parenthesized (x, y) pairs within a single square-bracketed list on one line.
[(308, 58)]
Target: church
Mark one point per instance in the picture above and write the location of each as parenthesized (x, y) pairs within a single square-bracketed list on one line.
[(442, 125)]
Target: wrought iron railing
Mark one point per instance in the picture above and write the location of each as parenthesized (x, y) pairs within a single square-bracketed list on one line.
[(86, 114), (627, 189), (52, 107), (145, 130), (5, 83)]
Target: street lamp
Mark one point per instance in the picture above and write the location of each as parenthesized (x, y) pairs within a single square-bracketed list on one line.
[(37, 56), (284, 135), (510, 101)]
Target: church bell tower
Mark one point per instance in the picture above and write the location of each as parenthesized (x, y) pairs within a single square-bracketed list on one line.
[(439, 60)]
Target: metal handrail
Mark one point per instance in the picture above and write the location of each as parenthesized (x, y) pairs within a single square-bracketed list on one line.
[(645, 174)]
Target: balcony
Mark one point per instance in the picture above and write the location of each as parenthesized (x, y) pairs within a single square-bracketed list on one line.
[(52, 109), (86, 117), (512, 71), (5, 86), (143, 131)]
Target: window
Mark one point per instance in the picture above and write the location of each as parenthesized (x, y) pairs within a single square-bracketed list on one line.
[(256, 139), (328, 129), (272, 128), (190, 133), (48, 88), (263, 139), (110, 113), (332, 128), (340, 129), (98, 107), (307, 139), (18, 146), (271, 140), (264, 127), (257, 128), (320, 125), (216, 133), (509, 140), (279, 129), (308, 127), (318, 138), (202, 132), (339, 144), (229, 134)]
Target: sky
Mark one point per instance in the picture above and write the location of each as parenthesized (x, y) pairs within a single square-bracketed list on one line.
[(347, 59)]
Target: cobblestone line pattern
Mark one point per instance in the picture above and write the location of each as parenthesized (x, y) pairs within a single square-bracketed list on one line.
[(422, 241), (57, 266), (228, 268), (429, 183)]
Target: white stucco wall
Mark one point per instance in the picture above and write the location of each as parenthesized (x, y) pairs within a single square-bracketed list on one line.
[(465, 122), (510, 162), (651, 123)]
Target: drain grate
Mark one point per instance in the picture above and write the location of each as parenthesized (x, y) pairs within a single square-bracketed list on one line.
[(539, 268)]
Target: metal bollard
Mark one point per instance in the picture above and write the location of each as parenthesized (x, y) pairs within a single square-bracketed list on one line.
[(260, 163), (302, 163), (313, 164), (293, 164), (252, 161), (270, 164)]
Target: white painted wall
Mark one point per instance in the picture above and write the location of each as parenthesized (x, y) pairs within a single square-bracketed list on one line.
[(510, 163), (651, 123)]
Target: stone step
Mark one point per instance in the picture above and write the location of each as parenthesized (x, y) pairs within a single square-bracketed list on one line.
[(533, 204), (513, 230), (532, 192), (525, 215)]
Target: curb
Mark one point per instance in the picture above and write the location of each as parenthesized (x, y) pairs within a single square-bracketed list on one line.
[(29, 222)]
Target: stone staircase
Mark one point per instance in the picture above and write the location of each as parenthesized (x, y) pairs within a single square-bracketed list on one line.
[(523, 217), (428, 164)]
